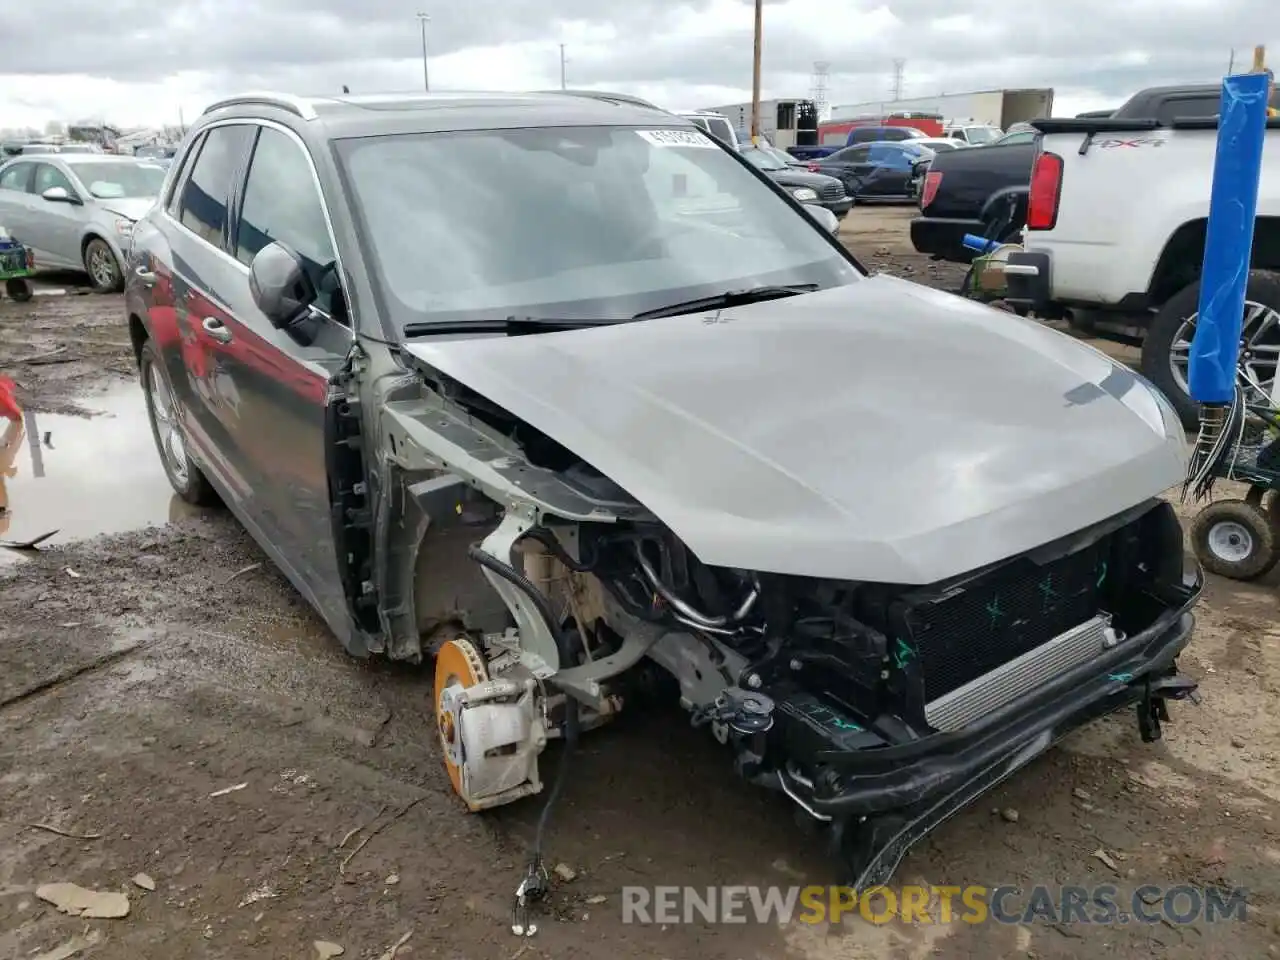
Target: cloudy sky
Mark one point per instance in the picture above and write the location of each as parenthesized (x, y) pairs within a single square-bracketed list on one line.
[(145, 62)]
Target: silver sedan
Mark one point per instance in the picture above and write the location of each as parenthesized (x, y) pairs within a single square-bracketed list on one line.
[(77, 211)]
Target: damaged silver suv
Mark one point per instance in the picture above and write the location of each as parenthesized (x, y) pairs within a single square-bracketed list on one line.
[(569, 400)]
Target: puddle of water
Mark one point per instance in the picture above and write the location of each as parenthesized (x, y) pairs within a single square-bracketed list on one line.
[(84, 476)]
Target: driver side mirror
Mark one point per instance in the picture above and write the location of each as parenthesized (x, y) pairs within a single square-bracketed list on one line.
[(828, 220), (60, 195), (280, 285)]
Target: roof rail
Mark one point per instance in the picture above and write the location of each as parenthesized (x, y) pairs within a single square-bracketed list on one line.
[(606, 95), (283, 101)]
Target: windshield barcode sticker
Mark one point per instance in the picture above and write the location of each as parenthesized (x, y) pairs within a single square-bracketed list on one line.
[(677, 138)]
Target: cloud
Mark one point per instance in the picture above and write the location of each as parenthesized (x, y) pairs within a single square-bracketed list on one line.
[(146, 62)]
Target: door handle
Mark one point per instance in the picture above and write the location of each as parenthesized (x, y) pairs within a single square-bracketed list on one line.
[(145, 277), (216, 329)]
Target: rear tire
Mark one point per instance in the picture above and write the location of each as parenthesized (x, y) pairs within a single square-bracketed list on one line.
[(1236, 539), (103, 268), (19, 289), (187, 480), (1157, 347)]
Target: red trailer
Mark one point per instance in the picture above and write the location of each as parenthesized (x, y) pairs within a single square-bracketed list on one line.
[(836, 134)]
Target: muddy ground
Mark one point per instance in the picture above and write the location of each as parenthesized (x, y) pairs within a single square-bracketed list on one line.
[(152, 668)]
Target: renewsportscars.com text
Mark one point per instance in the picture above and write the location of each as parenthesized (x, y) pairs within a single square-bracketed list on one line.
[(1105, 904)]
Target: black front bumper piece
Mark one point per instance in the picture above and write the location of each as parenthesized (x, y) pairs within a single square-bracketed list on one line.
[(878, 803)]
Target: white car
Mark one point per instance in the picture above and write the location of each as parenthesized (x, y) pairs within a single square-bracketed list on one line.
[(716, 124), (77, 211)]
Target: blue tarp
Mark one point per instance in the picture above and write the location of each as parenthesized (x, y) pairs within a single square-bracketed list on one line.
[(1233, 204)]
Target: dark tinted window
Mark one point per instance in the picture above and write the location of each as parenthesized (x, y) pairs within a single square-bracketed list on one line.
[(866, 134), (281, 204), (852, 155), (1186, 108), (16, 176), (203, 209), (177, 186)]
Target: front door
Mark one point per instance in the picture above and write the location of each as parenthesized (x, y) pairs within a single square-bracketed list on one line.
[(57, 225), (279, 378)]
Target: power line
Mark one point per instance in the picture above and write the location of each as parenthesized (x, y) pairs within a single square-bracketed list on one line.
[(899, 66)]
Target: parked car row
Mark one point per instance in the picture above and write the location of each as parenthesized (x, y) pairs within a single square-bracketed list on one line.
[(78, 210)]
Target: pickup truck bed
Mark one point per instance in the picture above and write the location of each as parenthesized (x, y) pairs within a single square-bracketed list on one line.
[(1116, 227), (965, 191)]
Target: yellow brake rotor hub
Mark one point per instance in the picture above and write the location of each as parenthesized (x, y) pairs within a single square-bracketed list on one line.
[(458, 665)]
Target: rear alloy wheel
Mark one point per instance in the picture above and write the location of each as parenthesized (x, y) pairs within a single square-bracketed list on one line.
[(103, 268), (185, 477), (1166, 351)]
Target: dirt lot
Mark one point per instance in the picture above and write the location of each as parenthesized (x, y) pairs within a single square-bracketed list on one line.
[(165, 694)]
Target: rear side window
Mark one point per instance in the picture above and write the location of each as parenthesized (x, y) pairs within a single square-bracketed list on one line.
[(721, 129), (203, 208), (16, 176), (1186, 108)]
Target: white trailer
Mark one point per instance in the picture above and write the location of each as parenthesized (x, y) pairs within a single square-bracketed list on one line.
[(784, 123), (995, 108)]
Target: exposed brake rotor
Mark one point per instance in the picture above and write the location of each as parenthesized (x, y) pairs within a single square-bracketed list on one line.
[(459, 666)]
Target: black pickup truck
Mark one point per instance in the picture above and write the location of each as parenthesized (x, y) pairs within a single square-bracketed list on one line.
[(970, 191)]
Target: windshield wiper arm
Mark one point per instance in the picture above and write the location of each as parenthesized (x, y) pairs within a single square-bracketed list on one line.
[(514, 324), (730, 298)]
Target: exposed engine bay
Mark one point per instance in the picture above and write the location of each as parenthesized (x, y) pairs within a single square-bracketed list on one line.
[(550, 598)]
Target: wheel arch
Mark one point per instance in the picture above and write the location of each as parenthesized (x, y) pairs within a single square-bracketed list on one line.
[(1179, 263)]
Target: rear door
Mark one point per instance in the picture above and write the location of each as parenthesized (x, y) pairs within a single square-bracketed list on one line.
[(15, 198), (202, 272), (280, 378)]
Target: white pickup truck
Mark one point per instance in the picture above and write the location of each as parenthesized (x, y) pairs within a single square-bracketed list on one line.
[(1115, 238)]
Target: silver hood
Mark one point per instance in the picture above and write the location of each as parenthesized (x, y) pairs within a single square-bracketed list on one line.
[(877, 431)]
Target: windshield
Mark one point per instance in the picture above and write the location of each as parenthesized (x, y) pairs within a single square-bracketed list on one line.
[(575, 223), (763, 159), (114, 181), (981, 134)]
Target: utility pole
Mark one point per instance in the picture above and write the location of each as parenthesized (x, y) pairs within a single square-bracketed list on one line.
[(898, 67), (423, 20), (1231, 64), (562, 66), (755, 74)]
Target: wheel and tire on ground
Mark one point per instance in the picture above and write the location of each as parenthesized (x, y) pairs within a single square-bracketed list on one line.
[(19, 289), (103, 268), (1236, 539), (185, 477), (1166, 350)]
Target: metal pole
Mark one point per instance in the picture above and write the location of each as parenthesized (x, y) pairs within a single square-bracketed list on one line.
[(422, 20), (755, 74), (562, 66)]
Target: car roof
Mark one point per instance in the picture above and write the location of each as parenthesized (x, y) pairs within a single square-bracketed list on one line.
[(362, 115)]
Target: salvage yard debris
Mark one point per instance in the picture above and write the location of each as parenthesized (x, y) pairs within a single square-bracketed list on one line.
[(64, 833), (225, 790), (79, 902)]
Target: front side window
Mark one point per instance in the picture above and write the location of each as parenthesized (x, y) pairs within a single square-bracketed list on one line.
[(203, 208), (49, 176), (586, 222), (281, 204)]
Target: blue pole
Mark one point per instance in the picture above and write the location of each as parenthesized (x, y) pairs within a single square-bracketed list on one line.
[(1233, 204)]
